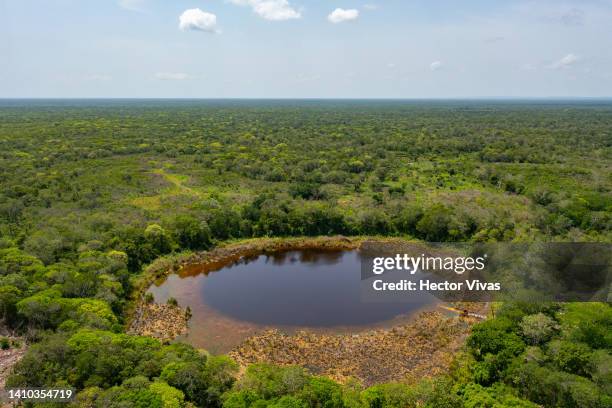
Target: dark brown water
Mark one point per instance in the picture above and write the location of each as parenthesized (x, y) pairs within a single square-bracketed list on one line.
[(316, 290)]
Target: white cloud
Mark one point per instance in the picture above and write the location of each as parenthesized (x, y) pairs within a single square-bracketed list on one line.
[(196, 19), (565, 62), (172, 76), (274, 10), (132, 5), (436, 65), (340, 15)]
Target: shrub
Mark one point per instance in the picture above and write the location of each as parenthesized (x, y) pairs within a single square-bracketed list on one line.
[(538, 328), (5, 344)]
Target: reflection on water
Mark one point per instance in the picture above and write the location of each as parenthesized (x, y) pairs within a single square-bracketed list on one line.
[(314, 289)]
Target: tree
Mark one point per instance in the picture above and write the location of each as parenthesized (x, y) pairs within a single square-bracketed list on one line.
[(321, 392), (190, 233), (392, 395), (433, 226), (307, 191), (477, 396), (288, 401), (42, 310), (46, 244), (538, 328), (170, 396), (220, 374), (493, 336), (15, 261), (187, 377), (9, 296), (571, 357), (158, 238)]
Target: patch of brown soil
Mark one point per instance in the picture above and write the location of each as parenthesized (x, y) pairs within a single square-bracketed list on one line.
[(163, 322), (423, 348), (10, 357)]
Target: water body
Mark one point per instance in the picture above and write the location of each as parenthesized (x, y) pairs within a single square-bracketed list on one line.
[(312, 289)]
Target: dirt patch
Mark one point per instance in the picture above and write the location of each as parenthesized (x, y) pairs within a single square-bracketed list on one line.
[(10, 357), (163, 322), (423, 348)]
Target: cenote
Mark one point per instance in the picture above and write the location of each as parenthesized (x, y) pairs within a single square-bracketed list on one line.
[(317, 290)]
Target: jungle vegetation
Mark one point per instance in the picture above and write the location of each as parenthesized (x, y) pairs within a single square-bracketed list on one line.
[(93, 191)]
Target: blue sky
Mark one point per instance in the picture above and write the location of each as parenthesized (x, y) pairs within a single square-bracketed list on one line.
[(300, 48)]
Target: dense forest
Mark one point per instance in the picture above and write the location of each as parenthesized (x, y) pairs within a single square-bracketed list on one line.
[(93, 191)]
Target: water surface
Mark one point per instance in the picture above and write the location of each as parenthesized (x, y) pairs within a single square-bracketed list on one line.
[(312, 289)]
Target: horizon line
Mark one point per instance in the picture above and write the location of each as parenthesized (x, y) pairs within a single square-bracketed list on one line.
[(303, 98)]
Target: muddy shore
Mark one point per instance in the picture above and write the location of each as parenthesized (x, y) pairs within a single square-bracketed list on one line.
[(423, 348)]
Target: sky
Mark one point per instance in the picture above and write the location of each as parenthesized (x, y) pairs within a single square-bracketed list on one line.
[(305, 48)]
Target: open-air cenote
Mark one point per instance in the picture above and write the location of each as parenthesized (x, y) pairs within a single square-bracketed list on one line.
[(316, 290)]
